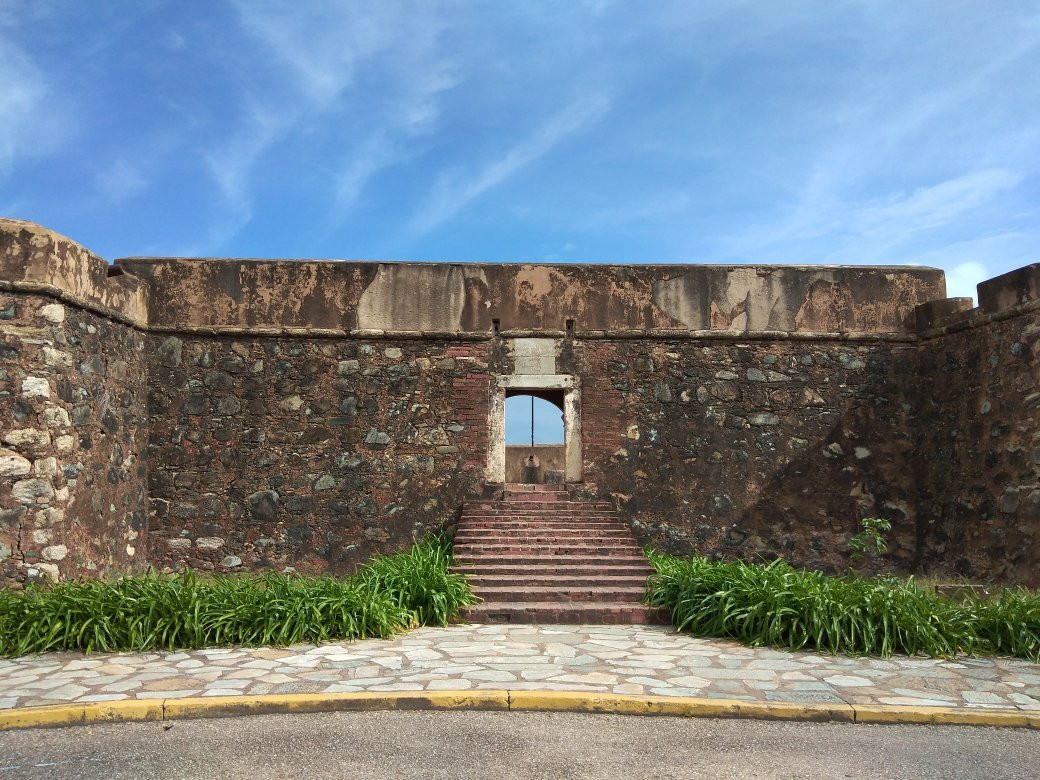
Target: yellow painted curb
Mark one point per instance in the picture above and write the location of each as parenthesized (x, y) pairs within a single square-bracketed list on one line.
[(946, 716), (683, 706), (503, 700), (82, 713), (220, 706)]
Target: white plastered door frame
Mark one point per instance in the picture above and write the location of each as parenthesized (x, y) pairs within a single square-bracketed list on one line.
[(495, 472)]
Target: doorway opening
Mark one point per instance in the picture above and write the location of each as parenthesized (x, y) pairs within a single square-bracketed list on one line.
[(561, 392), (535, 436)]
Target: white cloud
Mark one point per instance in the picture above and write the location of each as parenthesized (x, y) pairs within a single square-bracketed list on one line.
[(875, 230), (932, 206), (232, 164), (365, 162)]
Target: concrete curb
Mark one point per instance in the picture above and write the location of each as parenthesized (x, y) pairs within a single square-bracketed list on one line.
[(504, 700)]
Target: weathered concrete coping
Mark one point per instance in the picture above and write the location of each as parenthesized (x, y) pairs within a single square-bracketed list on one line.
[(929, 315), (370, 299), (80, 302), (975, 318), (1010, 289), (260, 331), (42, 260), (532, 297), (956, 316), (476, 301)]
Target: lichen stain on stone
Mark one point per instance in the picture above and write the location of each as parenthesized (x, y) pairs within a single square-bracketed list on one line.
[(547, 296), (417, 298), (739, 298), (476, 315), (827, 306), (628, 300), (533, 284), (286, 291)]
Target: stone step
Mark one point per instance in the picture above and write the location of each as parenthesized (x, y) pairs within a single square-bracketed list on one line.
[(533, 506), (533, 560), (541, 517), (549, 526), (521, 514), (554, 612), (528, 487), (468, 551), (557, 580), (468, 539), (553, 498), (534, 522), (508, 568), (529, 536), (561, 528), (573, 593), (486, 559), (528, 531)]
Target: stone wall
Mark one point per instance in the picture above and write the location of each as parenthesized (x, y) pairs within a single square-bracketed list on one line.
[(753, 449), (73, 432), (311, 454), (977, 466), (226, 414)]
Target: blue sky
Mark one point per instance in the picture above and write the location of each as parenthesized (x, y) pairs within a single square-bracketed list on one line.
[(548, 421), (764, 132)]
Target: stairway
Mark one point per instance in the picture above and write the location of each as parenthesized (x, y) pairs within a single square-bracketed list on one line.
[(539, 557)]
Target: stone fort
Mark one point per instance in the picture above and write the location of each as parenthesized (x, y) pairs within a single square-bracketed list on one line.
[(228, 414)]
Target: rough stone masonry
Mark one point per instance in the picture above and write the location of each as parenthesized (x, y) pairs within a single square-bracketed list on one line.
[(248, 414)]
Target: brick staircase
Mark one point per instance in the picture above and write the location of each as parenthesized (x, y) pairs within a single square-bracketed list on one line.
[(539, 557)]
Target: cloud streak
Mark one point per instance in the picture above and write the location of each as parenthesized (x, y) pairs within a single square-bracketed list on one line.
[(319, 53), (454, 190), (29, 108)]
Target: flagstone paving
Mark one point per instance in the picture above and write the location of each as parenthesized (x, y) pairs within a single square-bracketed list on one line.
[(603, 659)]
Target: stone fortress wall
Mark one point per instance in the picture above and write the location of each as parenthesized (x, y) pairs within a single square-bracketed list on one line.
[(245, 414)]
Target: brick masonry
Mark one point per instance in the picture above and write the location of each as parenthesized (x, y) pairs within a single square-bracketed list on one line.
[(231, 415)]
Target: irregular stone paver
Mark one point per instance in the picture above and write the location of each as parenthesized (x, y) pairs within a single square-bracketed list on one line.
[(602, 659)]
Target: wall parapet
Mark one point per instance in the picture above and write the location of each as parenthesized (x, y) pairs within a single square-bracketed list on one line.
[(1003, 297), (402, 297), (1011, 289), (363, 299), (34, 259)]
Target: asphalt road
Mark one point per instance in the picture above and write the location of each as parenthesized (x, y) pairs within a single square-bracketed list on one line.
[(491, 745)]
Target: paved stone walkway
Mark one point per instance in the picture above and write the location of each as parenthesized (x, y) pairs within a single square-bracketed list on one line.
[(605, 659)]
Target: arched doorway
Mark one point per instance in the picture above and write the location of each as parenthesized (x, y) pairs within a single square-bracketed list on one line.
[(535, 438), (561, 391)]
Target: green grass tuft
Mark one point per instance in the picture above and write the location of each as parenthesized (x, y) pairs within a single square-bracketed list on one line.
[(420, 581), (387, 595), (780, 606)]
